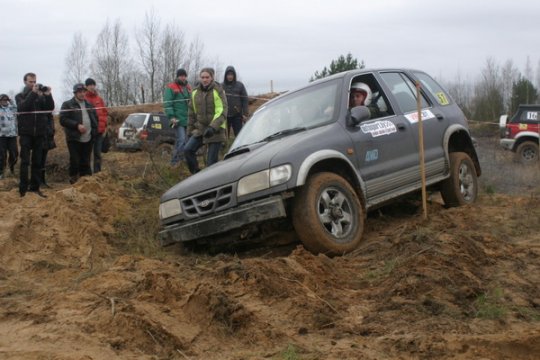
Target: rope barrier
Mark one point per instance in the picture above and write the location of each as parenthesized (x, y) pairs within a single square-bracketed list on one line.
[(127, 106)]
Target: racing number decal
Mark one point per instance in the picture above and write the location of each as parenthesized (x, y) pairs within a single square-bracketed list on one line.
[(442, 98), (157, 123)]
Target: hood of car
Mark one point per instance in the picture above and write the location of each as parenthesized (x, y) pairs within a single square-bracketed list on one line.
[(257, 157)]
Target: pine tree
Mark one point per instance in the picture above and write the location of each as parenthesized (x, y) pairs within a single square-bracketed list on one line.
[(342, 63)]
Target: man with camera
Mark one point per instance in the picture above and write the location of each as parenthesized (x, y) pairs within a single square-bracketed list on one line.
[(34, 104)]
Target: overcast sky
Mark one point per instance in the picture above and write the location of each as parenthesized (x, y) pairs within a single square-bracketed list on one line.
[(282, 40)]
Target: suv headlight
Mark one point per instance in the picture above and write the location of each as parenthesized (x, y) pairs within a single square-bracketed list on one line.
[(264, 179), (169, 208)]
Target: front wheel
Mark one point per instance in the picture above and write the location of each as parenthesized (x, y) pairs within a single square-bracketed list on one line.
[(328, 216), (527, 152), (461, 187)]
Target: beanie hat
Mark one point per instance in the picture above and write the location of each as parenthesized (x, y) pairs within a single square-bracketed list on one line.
[(181, 72), (208, 70), (90, 81)]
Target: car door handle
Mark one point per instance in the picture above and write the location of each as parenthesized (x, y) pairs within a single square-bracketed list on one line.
[(401, 126), (439, 116)]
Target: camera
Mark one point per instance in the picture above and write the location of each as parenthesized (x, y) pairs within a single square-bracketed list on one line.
[(42, 87)]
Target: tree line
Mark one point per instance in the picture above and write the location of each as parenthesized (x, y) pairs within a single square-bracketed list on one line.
[(498, 90), (159, 50)]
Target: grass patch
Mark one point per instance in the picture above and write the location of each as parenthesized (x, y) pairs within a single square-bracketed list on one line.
[(528, 313), (290, 353), (386, 270), (490, 305)]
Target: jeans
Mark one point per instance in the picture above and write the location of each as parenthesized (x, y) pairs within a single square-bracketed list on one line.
[(190, 151), (31, 152), (180, 142), (98, 144)]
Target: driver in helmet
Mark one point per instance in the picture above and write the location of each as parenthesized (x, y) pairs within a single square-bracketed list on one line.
[(361, 95)]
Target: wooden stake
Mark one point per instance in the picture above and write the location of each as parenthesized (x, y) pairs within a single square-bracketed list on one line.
[(421, 149)]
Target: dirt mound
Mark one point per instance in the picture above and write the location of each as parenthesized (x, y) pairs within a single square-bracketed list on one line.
[(82, 278)]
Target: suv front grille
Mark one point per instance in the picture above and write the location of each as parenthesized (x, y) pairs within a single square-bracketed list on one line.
[(208, 202)]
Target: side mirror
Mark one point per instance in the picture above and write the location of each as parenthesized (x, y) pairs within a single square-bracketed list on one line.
[(358, 114)]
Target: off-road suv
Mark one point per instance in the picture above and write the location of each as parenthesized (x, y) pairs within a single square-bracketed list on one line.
[(146, 129), (305, 158), (522, 133)]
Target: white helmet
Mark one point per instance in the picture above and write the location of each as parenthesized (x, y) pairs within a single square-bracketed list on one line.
[(365, 88)]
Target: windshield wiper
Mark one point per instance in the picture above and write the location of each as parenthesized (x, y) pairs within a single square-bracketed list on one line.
[(284, 133)]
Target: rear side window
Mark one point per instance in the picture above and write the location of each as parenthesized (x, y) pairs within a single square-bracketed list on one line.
[(158, 122), (135, 120), (434, 88), (404, 91), (527, 117)]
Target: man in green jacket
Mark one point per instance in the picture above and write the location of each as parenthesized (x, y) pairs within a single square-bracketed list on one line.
[(207, 120), (175, 102)]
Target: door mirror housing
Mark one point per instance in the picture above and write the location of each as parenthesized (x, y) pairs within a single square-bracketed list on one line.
[(358, 114)]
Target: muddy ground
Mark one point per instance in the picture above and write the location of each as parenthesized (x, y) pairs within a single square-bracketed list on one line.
[(82, 277)]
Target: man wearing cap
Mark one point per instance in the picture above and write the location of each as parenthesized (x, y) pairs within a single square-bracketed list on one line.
[(175, 104), (80, 122), (8, 134), (99, 104), (34, 104)]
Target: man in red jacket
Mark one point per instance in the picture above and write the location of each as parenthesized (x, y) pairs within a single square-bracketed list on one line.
[(93, 98)]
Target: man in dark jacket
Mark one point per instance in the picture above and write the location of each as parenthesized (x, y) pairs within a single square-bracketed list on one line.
[(80, 122), (33, 105), (237, 100)]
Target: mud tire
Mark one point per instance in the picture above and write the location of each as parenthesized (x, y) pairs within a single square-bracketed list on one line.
[(328, 215), (527, 153), (461, 188)]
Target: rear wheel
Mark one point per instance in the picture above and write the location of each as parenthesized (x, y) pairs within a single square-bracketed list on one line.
[(527, 152), (461, 187), (328, 216)]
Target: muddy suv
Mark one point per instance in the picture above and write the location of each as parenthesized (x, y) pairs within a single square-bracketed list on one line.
[(308, 160), (146, 130), (522, 133)]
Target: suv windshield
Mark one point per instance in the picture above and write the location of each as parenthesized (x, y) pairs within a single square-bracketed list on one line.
[(135, 120), (306, 108)]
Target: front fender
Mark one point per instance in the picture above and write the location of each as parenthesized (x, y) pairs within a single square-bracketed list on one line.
[(327, 154)]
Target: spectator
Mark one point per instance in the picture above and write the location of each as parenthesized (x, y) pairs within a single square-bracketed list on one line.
[(79, 119), (237, 101), (98, 103), (33, 103), (8, 134), (206, 120), (49, 144), (175, 102)]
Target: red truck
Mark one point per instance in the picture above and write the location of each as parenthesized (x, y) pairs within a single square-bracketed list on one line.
[(522, 133)]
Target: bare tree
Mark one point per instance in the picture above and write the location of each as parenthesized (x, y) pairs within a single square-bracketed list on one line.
[(76, 63), (510, 75), (148, 41), (537, 84), (461, 92), (488, 100), (172, 53), (111, 52), (194, 61)]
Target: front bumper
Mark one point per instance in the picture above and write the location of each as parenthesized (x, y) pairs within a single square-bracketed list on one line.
[(256, 211), (507, 144)]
